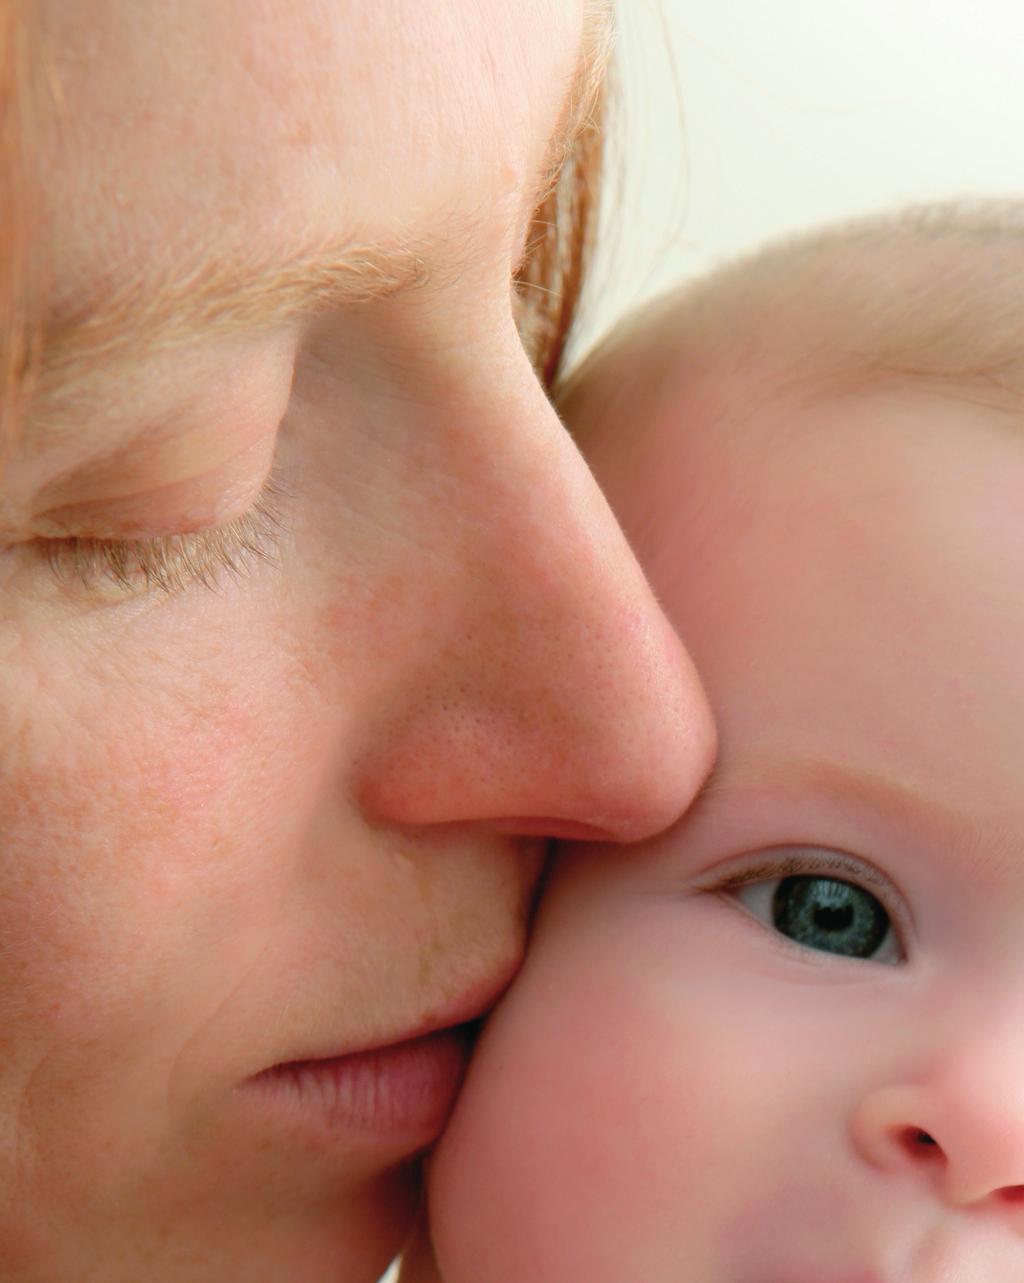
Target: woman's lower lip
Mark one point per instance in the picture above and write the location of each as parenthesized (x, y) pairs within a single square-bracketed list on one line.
[(401, 1094)]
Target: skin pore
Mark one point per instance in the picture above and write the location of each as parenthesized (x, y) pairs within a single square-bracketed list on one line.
[(281, 795), (677, 1086)]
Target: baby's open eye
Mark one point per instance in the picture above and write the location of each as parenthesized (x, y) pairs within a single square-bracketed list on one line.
[(818, 910)]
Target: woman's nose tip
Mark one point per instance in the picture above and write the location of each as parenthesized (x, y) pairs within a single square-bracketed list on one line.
[(613, 750), (972, 1154), (660, 741), (593, 725), (551, 687)]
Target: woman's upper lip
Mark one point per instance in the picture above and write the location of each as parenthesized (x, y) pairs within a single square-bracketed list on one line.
[(472, 1003)]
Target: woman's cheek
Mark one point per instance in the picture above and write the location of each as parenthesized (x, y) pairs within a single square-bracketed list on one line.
[(128, 789)]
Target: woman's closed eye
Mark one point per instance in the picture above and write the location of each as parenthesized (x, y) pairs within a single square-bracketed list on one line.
[(172, 563), (818, 900)]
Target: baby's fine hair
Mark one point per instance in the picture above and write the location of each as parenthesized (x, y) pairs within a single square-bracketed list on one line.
[(933, 293)]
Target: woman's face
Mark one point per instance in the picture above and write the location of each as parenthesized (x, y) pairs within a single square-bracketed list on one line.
[(293, 810)]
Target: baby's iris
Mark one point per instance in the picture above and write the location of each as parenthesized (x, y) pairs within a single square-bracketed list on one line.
[(829, 914)]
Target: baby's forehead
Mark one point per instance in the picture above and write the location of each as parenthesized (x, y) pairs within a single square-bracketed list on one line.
[(674, 382), (648, 368), (930, 299), (695, 418), (789, 527), (708, 382)]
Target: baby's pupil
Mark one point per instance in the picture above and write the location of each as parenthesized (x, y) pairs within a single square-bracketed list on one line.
[(825, 913)]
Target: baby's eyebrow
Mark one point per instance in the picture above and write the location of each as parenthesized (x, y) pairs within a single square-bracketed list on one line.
[(808, 776), (890, 793)]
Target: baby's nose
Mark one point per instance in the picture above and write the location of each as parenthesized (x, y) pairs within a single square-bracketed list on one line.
[(960, 1135)]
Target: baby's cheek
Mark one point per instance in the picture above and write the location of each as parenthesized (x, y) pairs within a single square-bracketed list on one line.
[(504, 1185), (597, 1136), (573, 1113)]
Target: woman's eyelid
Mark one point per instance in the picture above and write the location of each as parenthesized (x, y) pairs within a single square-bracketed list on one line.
[(170, 563), (199, 500)]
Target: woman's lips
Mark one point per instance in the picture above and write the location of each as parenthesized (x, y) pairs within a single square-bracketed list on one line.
[(399, 1094)]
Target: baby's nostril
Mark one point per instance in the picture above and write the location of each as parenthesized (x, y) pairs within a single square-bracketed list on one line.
[(1013, 1194), (919, 1144)]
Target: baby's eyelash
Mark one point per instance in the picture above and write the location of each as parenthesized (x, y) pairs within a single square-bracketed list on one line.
[(785, 862), (171, 563)]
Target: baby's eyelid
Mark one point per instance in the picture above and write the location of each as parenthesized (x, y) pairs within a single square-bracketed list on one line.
[(798, 860)]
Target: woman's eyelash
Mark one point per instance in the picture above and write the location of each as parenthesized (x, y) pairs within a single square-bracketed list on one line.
[(171, 563)]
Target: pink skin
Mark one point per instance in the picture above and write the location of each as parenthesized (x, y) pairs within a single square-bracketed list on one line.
[(673, 1090), (297, 815)]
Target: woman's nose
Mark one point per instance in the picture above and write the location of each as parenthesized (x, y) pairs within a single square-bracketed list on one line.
[(960, 1133), (544, 692)]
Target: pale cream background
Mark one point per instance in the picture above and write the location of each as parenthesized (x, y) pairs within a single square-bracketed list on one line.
[(741, 120), (744, 119)]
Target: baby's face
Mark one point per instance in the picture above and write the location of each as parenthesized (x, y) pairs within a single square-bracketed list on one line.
[(784, 1043)]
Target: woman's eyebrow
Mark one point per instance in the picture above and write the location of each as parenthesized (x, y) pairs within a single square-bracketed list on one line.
[(213, 296)]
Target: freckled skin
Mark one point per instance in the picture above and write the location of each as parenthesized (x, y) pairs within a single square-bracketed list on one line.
[(301, 809), (128, 854), (671, 1091)]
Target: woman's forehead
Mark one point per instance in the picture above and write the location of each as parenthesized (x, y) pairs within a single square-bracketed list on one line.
[(231, 125)]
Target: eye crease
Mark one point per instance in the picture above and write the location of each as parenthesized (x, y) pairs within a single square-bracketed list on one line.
[(170, 564), (822, 903)]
